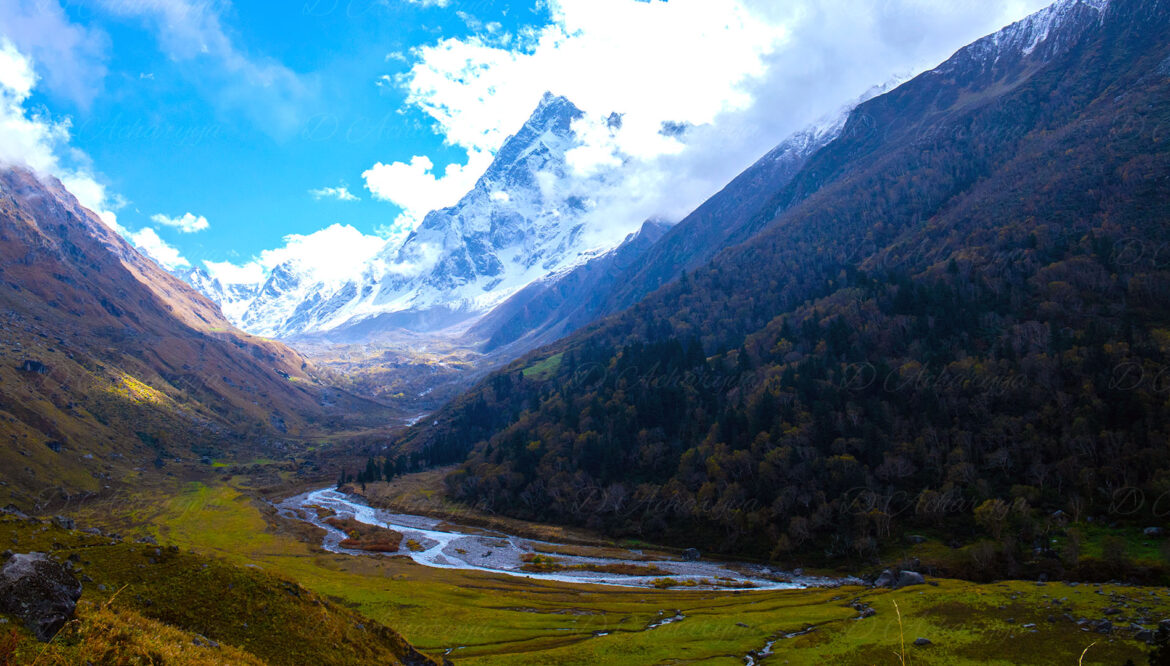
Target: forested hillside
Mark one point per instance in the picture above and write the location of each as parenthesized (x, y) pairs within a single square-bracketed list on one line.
[(959, 318)]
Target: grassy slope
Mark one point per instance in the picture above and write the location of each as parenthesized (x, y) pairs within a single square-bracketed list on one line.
[(111, 368), (132, 588), (103, 635), (492, 619)]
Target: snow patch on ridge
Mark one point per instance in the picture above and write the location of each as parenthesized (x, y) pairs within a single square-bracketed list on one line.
[(1026, 36)]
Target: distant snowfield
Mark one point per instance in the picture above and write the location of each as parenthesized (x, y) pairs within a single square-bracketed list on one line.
[(454, 547)]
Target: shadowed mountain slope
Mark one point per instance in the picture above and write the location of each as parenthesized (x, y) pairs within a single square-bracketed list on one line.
[(960, 300)]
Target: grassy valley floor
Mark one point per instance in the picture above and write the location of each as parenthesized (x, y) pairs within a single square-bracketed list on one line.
[(476, 618)]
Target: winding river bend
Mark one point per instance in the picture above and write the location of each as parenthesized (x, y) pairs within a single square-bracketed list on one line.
[(443, 545)]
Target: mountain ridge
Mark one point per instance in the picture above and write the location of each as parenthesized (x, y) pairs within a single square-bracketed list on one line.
[(520, 223), (932, 281), (108, 361)]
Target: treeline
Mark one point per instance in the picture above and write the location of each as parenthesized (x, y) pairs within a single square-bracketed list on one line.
[(383, 468)]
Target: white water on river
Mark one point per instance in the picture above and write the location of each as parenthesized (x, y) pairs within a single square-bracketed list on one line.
[(443, 545)]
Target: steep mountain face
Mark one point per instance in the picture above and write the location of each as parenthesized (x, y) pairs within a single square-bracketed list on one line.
[(516, 226), (108, 362), (234, 300), (553, 307), (959, 302), (730, 217), (560, 304), (522, 222)]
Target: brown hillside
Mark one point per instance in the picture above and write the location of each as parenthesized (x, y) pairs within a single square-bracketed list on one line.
[(108, 363)]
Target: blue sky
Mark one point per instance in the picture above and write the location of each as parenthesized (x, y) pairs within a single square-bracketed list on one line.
[(224, 131), (166, 137)]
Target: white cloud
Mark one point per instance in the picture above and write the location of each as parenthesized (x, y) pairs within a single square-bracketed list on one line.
[(167, 256), (16, 72), (41, 144), (340, 193), (417, 188), (332, 255), (741, 75), (70, 58), (228, 273), (685, 60), (188, 223)]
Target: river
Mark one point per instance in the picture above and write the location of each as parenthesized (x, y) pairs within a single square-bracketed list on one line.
[(443, 545)]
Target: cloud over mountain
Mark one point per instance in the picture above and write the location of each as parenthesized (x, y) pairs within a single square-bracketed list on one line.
[(678, 96)]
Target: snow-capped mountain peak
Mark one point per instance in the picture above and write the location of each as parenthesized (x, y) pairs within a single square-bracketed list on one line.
[(522, 221)]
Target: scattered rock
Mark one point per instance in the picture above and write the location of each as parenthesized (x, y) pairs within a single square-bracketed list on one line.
[(203, 641), (54, 446), (902, 579), (691, 555), (11, 510), (910, 578), (916, 539), (864, 610), (1111, 611), (1153, 532), (278, 424), (33, 366), (64, 523), (39, 591), (922, 642)]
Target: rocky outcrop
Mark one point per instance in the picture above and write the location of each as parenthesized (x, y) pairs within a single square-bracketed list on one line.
[(40, 592), (895, 581)]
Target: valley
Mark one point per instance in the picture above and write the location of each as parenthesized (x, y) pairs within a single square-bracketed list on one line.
[(478, 617), (895, 393)]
